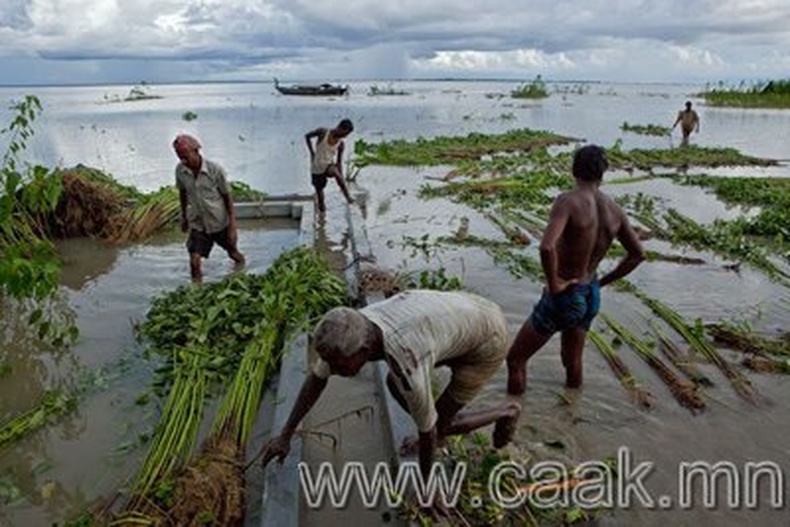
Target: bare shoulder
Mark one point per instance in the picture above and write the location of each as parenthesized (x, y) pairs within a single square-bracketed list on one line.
[(607, 200)]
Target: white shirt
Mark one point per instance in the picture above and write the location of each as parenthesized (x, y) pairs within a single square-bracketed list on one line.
[(423, 328)]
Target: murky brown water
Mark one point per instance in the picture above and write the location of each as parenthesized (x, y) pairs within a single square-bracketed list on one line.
[(592, 423), (94, 451)]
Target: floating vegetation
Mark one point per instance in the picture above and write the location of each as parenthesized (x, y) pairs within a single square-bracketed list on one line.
[(518, 264), (54, 404), (641, 396), (684, 391), (770, 94), (771, 195), (682, 361), (725, 238), (515, 191), (531, 90), (189, 116), (747, 341), (762, 364), (449, 150), (646, 129), (375, 91), (680, 158), (481, 460), (694, 334)]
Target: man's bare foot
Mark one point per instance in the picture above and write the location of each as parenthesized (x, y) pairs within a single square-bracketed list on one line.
[(505, 426)]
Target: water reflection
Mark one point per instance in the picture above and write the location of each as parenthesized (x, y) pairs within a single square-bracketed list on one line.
[(91, 451)]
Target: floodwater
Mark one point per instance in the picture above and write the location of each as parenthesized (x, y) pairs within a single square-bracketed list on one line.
[(258, 136), (56, 473)]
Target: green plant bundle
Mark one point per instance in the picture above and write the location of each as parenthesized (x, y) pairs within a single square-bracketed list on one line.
[(640, 395), (231, 332), (694, 335), (684, 391), (680, 360), (300, 287), (747, 341), (175, 435)]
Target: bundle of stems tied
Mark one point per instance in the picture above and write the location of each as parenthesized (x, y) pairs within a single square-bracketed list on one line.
[(695, 337), (641, 396), (683, 390), (296, 289)]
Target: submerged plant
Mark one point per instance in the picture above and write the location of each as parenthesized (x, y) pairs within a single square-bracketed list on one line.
[(53, 405), (648, 129)]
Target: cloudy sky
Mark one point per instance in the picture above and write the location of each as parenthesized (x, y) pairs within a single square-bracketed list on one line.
[(108, 41)]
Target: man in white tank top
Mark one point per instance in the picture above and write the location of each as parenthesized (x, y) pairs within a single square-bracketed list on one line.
[(326, 158)]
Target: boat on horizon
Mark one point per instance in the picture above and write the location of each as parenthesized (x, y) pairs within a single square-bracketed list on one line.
[(324, 89)]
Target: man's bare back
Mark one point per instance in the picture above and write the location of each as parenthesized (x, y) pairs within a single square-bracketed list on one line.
[(582, 226), (594, 221)]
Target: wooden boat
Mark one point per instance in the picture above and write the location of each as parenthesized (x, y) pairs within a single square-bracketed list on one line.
[(314, 90)]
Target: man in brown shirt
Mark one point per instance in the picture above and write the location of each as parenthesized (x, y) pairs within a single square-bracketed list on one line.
[(206, 205)]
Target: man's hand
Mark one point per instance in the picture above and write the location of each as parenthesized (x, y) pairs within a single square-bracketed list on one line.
[(184, 225), (559, 285), (277, 447)]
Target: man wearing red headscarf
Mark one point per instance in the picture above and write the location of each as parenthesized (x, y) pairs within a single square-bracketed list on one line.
[(206, 205)]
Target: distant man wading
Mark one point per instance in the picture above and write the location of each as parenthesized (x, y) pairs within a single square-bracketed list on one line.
[(326, 159), (582, 225), (206, 205), (413, 332), (689, 122)]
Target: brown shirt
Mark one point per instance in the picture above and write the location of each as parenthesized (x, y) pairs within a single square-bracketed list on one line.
[(206, 209)]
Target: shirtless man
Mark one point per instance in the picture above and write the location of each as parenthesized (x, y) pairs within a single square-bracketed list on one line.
[(582, 226), (326, 159), (689, 122)]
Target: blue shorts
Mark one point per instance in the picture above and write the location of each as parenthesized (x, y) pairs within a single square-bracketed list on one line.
[(574, 307)]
